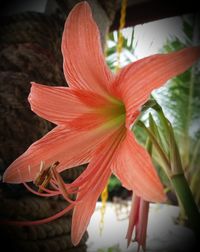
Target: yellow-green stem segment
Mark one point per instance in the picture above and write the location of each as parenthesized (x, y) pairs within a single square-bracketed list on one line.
[(185, 196)]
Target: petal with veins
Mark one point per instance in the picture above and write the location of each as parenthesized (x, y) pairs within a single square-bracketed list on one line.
[(134, 168), (72, 108), (91, 190), (84, 210), (70, 148), (84, 63), (133, 217), (136, 81)]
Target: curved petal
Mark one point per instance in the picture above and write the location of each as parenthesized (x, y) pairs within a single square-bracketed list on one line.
[(135, 82), (133, 166), (91, 190), (133, 217), (62, 105), (70, 148), (84, 63), (84, 210)]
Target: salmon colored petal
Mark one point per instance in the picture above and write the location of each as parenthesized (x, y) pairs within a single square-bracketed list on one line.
[(136, 81), (84, 210), (70, 148), (133, 166), (84, 63), (91, 190), (62, 105), (141, 227), (133, 217)]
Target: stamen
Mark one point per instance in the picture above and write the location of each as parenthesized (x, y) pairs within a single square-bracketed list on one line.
[(51, 218), (39, 222), (41, 194), (61, 185), (45, 175), (80, 186), (48, 190), (53, 184)]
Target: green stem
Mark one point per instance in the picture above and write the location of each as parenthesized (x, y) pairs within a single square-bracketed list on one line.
[(185, 196), (173, 169), (194, 156), (157, 147), (194, 184)]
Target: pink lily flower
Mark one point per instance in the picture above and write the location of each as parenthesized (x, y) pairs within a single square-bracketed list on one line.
[(94, 117), (138, 220)]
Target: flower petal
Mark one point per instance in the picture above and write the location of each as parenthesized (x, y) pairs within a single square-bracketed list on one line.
[(84, 210), (84, 63), (141, 227), (133, 217), (70, 148), (136, 81), (62, 105), (91, 190), (133, 166)]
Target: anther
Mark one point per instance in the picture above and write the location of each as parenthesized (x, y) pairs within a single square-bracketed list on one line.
[(45, 175)]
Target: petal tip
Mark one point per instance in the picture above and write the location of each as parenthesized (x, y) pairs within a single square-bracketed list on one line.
[(81, 5), (7, 178), (161, 198), (75, 241)]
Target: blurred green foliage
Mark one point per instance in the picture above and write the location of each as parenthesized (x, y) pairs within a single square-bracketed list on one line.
[(113, 183)]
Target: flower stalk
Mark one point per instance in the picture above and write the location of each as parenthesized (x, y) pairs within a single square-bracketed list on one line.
[(158, 148), (172, 166), (186, 198)]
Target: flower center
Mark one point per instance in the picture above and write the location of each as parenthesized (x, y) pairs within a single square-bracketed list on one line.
[(115, 114)]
